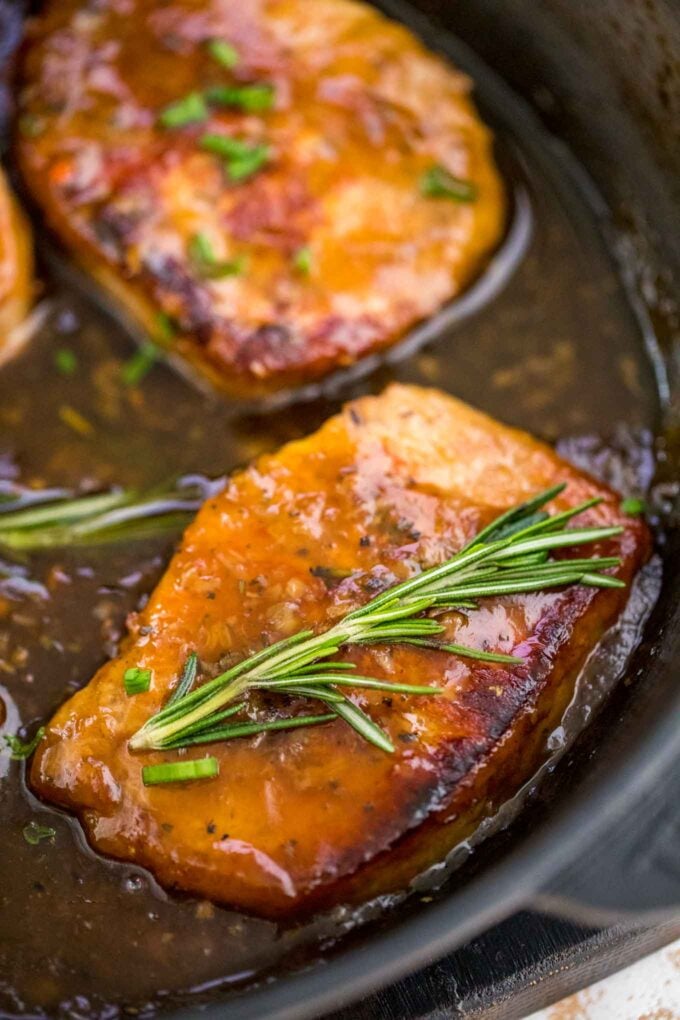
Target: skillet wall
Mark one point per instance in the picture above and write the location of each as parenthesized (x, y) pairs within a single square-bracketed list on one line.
[(605, 78)]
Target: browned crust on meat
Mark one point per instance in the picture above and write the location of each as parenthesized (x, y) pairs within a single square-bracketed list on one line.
[(362, 110), (301, 820)]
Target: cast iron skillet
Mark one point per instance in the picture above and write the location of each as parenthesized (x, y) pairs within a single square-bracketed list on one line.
[(604, 838), (600, 839)]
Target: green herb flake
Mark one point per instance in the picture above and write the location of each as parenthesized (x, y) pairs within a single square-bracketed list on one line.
[(166, 328), (34, 833), (302, 260), (191, 109), (201, 250), (206, 263), (225, 145), (140, 364), (136, 680), (223, 53), (23, 749), (180, 771), (65, 361), (249, 98), (242, 158), (633, 506), (437, 182), (240, 168), (234, 267)]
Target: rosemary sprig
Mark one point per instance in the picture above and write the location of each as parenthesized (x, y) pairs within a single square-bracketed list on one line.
[(62, 519), (512, 555)]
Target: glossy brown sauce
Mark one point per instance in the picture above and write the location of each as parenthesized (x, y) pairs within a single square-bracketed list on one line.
[(559, 352)]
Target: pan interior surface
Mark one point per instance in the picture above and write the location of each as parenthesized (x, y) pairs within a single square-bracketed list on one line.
[(565, 349)]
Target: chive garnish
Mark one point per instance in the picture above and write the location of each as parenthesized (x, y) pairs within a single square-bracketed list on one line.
[(437, 182), (191, 109), (256, 98), (240, 168), (242, 159), (180, 771), (65, 361), (206, 263), (302, 260), (633, 506), (166, 328), (23, 749), (509, 556), (201, 250), (223, 52), (136, 680), (34, 833), (225, 145), (140, 364)]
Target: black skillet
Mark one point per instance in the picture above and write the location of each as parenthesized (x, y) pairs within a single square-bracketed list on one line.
[(601, 836)]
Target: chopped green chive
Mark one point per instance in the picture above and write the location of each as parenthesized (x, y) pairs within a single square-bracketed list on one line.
[(166, 328), (223, 52), (65, 361), (250, 98), (136, 680), (232, 268), (242, 159), (140, 364), (302, 260), (23, 749), (437, 182), (225, 146), (180, 771), (34, 833), (633, 506), (201, 249), (239, 168), (202, 254), (189, 110)]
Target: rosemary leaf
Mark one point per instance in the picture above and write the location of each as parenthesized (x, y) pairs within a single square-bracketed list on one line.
[(364, 726), (250, 729), (186, 681)]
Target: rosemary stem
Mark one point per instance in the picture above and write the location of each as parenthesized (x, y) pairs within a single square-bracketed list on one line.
[(512, 555)]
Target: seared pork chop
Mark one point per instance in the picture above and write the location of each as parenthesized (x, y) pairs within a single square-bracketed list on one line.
[(307, 818), (289, 184), (16, 273)]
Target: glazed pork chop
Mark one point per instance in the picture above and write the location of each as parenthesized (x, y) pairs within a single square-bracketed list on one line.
[(16, 273), (274, 188), (302, 819)]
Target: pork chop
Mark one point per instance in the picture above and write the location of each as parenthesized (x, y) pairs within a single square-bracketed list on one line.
[(16, 273), (274, 188), (307, 818)]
